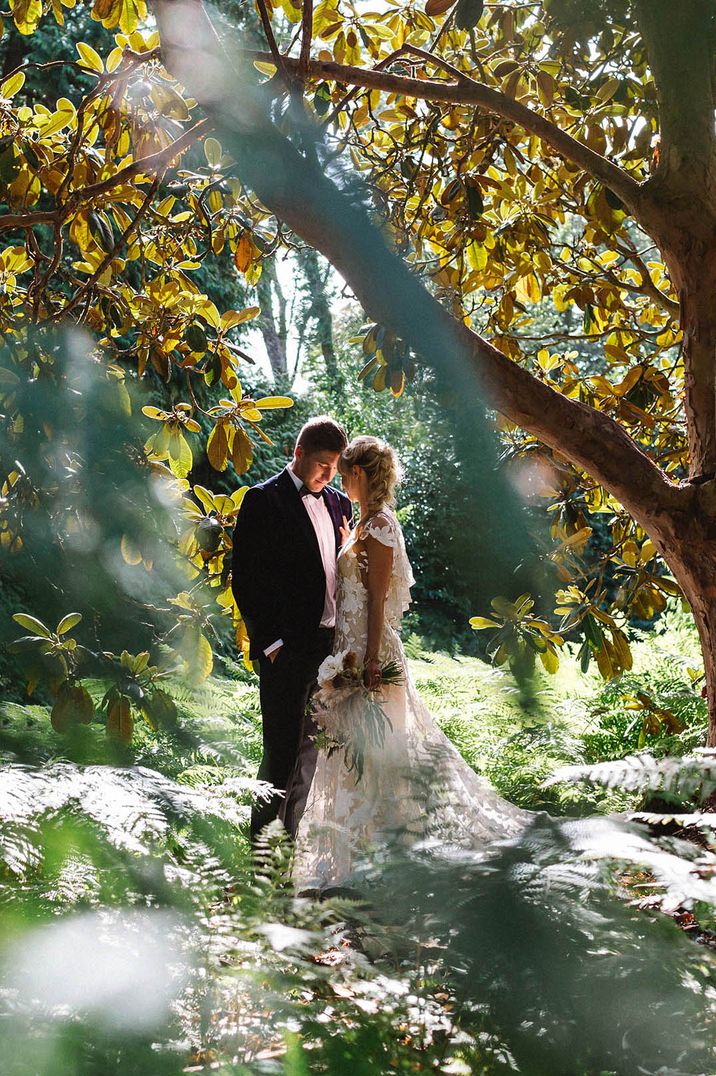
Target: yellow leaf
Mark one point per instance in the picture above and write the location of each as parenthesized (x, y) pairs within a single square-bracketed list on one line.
[(217, 447), (89, 58), (268, 402), (196, 651), (130, 553), (648, 550), (63, 117), (206, 497), (242, 452), (476, 255), (231, 318), (12, 85), (27, 15), (244, 251), (208, 311), (528, 289), (550, 660), (480, 622)]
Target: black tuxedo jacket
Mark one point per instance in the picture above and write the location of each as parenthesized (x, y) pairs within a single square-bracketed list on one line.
[(277, 573)]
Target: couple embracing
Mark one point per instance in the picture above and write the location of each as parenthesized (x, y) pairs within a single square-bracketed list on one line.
[(313, 589)]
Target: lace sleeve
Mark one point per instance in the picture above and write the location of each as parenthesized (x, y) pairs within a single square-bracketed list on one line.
[(382, 527)]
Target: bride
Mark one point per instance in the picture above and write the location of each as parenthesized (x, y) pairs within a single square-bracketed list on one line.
[(413, 785)]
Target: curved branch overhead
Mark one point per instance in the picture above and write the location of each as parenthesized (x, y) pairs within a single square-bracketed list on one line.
[(467, 91)]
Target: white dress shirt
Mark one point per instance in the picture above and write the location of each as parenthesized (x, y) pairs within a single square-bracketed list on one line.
[(323, 526)]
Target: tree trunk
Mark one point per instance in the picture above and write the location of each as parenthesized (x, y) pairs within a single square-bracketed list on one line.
[(319, 310), (691, 556), (272, 322)]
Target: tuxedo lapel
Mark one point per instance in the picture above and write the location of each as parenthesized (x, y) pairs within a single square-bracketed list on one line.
[(333, 505), (293, 503)]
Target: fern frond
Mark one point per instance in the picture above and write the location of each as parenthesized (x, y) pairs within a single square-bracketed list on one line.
[(685, 776)]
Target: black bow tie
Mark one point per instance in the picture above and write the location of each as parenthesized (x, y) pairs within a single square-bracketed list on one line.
[(306, 492)]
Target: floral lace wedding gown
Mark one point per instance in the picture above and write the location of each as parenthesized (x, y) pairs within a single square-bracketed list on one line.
[(415, 786)]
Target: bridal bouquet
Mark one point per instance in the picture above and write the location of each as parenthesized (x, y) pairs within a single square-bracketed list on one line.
[(347, 712)]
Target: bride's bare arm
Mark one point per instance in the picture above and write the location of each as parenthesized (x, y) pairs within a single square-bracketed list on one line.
[(380, 566)]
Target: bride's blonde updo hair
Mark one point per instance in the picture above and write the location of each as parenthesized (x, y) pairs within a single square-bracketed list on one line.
[(381, 465)]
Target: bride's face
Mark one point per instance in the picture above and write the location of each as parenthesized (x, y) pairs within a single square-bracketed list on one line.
[(353, 481)]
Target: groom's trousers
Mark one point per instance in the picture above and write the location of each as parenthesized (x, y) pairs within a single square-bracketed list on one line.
[(289, 757)]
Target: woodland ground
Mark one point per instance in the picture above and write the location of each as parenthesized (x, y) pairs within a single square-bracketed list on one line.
[(517, 739), (282, 986)]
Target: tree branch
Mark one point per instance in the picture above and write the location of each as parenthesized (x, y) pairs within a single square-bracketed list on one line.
[(152, 165), (306, 35), (671, 306), (86, 289), (466, 91)]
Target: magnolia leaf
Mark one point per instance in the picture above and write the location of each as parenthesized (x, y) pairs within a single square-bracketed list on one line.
[(231, 318), (438, 7), (89, 58), (119, 720), (31, 623), (12, 85), (268, 402), (217, 447), (242, 452), (27, 15), (197, 653), (212, 152), (206, 497), (130, 552), (480, 622), (468, 13), (180, 454), (68, 622), (550, 660), (244, 252)]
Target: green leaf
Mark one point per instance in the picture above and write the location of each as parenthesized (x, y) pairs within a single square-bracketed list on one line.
[(180, 455), (68, 622), (31, 623), (195, 337), (212, 152), (322, 98), (468, 13)]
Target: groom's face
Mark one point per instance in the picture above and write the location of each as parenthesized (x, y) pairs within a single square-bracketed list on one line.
[(315, 469)]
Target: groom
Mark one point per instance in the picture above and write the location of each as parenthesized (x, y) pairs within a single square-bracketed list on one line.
[(286, 541)]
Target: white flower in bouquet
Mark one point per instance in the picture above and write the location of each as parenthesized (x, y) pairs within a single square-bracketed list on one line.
[(338, 677), (347, 713)]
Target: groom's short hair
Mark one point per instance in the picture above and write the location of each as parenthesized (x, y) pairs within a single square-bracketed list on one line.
[(321, 434)]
